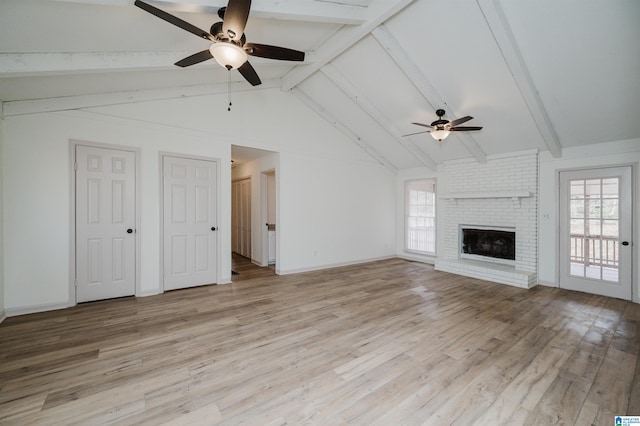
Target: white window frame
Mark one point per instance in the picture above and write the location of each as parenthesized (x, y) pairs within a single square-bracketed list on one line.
[(408, 218)]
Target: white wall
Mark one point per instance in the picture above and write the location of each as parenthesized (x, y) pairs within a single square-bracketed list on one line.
[(333, 212), (351, 201), (37, 178), (606, 154), (2, 304)]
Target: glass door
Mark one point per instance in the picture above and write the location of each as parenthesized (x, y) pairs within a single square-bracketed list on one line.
[(595, 231)]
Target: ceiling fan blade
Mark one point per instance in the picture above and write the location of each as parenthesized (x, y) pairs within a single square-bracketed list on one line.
[(464, 129), (273, 52), (249, 74), (420, 124), (196, 58), (235, 18), (174, 20), (461, 120), (417, 133)]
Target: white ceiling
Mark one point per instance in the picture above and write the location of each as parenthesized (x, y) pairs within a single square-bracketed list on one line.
[(537, 74)]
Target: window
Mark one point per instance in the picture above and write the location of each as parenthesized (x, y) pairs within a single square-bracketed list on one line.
[(420, 199)]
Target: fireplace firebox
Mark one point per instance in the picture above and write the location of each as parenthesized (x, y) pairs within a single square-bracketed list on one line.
[(490, 244)]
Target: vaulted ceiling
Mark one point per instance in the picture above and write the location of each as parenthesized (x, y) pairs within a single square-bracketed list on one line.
[(536, 74)]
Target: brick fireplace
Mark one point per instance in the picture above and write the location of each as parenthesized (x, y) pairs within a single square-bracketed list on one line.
[(499, 194)]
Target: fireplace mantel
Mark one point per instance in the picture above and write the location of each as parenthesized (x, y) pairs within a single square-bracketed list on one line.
[(514, 195)]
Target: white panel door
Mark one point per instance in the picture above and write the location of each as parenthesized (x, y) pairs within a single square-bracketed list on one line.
[(105, 223), (190, 222), (595, 231), (241, 217)]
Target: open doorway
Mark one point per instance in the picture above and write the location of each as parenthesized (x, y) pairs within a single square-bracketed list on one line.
[(253, 212)]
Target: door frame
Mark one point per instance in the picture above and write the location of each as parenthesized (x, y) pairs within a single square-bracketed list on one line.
[(635, 219), (73, 143), (161, 156), (264, 175)]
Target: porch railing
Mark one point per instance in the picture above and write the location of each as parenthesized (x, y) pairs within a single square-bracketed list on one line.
[(594, 250)]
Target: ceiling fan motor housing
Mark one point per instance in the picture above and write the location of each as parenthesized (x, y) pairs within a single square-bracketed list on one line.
[(440, 122), (217, 32)]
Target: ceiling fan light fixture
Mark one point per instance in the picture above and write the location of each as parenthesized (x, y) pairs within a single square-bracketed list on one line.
[(228, 55), (440, 134)]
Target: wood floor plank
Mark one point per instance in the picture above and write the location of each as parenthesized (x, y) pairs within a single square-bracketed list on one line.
[(562, 402), (388, 342), (611, 387)]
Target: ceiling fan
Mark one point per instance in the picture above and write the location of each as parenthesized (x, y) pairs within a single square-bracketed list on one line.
[(441, 128), (229, 47)]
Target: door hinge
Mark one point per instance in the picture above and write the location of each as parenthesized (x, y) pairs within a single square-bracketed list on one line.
[(75, 165), (75, 282)]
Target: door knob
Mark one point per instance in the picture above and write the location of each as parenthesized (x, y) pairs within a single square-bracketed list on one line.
[(213, 228), (129, 231), (625, 243)]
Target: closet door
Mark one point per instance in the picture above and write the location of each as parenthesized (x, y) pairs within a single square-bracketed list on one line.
[(241, 217), (105, 223), (190, 222)]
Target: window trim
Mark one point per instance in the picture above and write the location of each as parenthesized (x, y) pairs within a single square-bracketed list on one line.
[(406, 248)]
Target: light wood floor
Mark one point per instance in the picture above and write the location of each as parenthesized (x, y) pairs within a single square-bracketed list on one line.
[(387, 343), (245, 270)]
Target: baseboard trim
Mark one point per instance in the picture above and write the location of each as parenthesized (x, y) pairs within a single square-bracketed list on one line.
[(14, 312), (430, 260), (332, 265), (548, 284), (3, 316)]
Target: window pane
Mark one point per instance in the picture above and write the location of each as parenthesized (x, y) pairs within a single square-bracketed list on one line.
[(610, 188), (593, 208), (577, 209), (577, 227), (420, 220), (610, 228), (577, 189), (593, 188), (610, 209)]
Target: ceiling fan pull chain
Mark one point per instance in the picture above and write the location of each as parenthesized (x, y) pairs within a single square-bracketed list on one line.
[(229, 90)]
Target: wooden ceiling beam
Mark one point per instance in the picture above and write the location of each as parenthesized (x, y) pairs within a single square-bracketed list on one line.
[(322, 112), (296, 10), (367, 106), (40, 64), (504, 38), (66, 103), (377, 13)]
